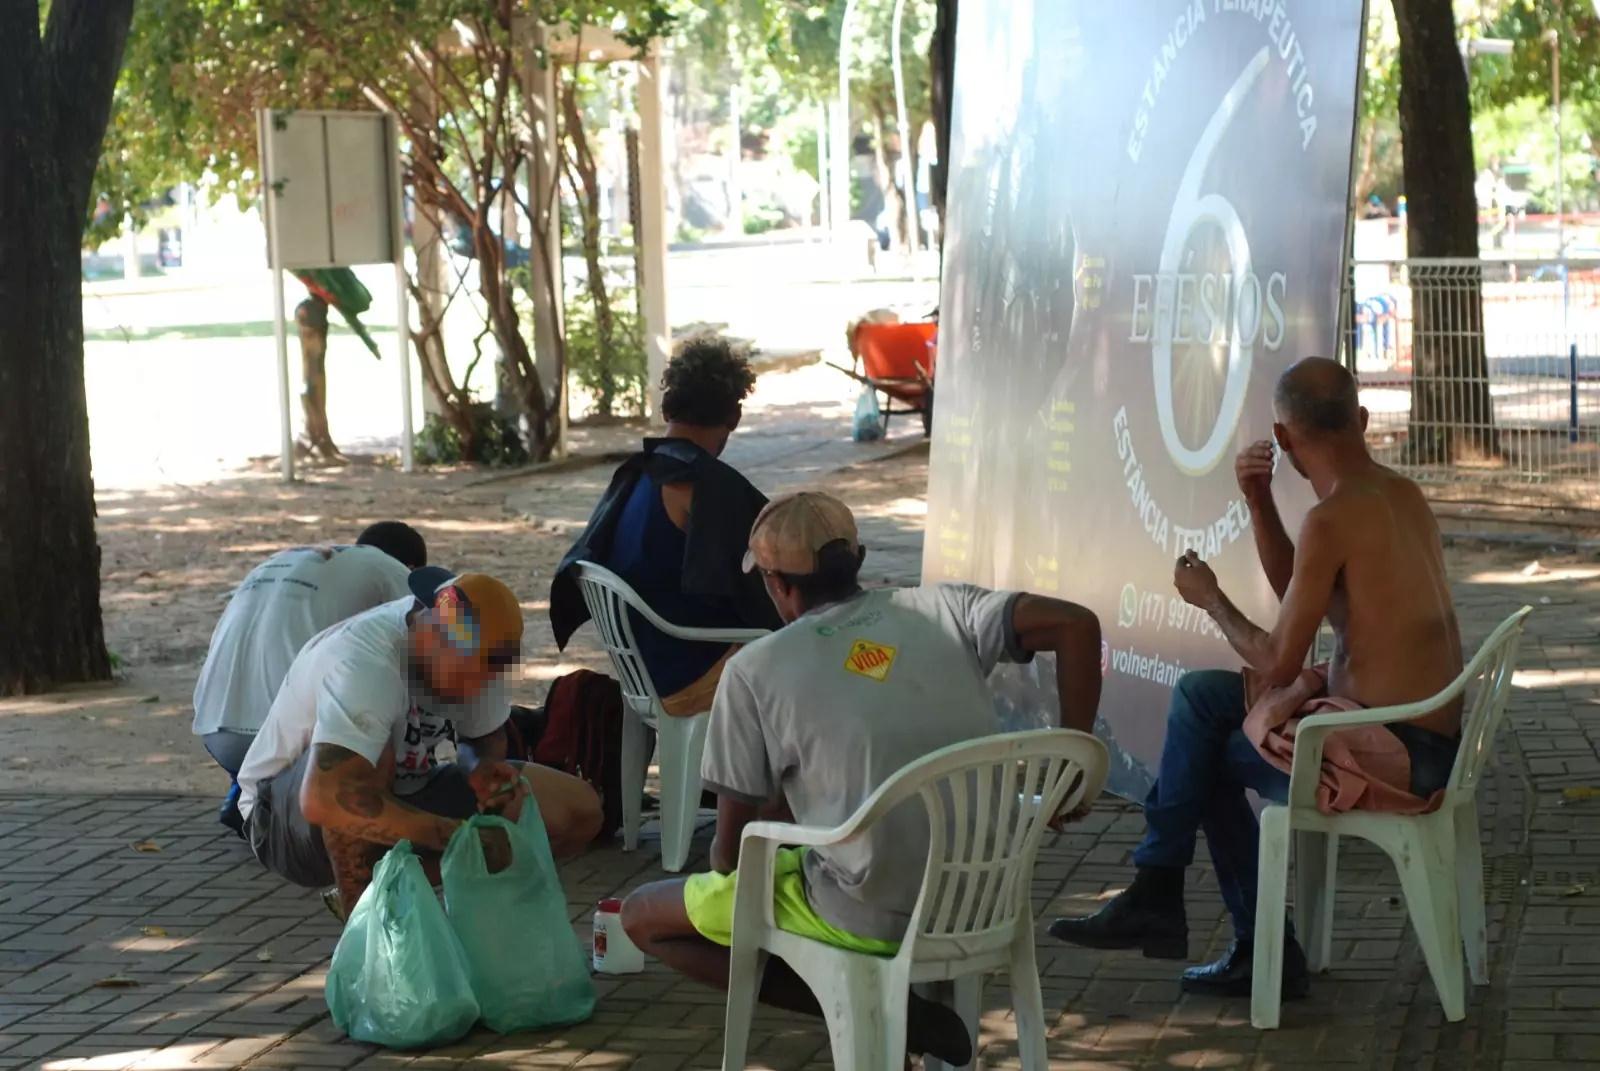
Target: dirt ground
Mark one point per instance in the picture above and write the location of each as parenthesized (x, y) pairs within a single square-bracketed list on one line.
[(171, 556)]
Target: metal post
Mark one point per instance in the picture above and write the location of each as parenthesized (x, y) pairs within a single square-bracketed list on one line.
[(908, 185), (402, 295), (1561, 185), (841, 129), (1572, 405), (279, 332), (824, 201), (653, 217), (735, 125), (402, 326)]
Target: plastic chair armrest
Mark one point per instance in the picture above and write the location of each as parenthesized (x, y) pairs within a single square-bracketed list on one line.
[(791, 833), (752, 894), (714, 635)]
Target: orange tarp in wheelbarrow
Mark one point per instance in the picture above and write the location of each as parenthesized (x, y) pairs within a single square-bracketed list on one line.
[(897, 360)]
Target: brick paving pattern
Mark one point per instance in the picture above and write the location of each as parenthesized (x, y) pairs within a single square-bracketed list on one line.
[(192, 956)]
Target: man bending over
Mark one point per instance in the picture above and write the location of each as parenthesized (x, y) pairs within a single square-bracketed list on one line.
[(279, 605), (344, 766), (1369, 559), (816, 716)]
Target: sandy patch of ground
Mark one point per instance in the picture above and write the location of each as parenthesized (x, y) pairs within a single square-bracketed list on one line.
[(171, 555)]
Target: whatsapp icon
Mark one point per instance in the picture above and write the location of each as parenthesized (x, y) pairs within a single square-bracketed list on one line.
[(1128, 606)]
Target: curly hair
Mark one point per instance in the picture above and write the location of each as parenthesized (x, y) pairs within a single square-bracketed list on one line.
[(706, 380)]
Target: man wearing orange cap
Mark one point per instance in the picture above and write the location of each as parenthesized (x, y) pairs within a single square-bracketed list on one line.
[(816, 716), (344, 766)]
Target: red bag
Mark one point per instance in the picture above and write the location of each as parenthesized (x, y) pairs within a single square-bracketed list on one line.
[(582, 735)]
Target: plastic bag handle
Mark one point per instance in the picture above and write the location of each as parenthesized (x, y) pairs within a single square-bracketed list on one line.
[(472, 849)]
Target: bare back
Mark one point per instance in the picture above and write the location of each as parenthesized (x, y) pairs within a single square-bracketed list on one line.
[(1395, 622)]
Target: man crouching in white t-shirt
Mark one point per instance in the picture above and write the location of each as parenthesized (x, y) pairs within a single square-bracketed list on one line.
[(816, 716), (279, 605), (344, 765)]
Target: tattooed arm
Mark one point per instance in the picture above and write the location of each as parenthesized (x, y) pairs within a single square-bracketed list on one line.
[(345, 793)]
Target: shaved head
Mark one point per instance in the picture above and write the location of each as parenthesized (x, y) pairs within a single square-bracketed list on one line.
[(1318, 396)]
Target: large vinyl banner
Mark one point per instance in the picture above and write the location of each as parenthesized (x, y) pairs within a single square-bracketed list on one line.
[(1146, 218)]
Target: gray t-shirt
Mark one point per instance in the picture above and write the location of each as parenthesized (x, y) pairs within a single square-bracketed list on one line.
[(829, 707)]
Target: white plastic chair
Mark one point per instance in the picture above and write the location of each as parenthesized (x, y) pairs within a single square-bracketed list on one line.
[(680, 740), (988, 802), (1438, 855)]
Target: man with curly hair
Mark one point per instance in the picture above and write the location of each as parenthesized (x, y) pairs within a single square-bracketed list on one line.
[(674, 524)]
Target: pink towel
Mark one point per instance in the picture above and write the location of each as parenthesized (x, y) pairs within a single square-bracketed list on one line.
[(1365, 767)]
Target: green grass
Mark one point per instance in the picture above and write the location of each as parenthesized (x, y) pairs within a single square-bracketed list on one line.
[(188, 332)]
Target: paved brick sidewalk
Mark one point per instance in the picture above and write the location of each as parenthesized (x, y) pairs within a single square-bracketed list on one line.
[(193, 957)]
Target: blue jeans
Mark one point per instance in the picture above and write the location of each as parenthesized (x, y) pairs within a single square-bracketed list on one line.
[(1206, 766), (229, 749)]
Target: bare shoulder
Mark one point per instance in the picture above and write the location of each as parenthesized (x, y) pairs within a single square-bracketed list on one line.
[(1331, 515), (1403, 488)]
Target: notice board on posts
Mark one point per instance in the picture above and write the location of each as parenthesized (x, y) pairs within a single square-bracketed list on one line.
[(332, 197), (1146, 224)]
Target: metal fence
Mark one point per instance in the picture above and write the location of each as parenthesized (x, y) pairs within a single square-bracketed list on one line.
[(1502, 392)]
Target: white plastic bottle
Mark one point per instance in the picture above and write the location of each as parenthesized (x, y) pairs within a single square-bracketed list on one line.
[(614, 953)]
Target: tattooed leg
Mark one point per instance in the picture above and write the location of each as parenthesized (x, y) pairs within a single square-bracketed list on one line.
[(353, 860), (351, 802)]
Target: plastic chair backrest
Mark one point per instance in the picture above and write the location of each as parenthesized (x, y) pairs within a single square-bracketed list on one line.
[(988, 802), (896, 351), (609, 597), (1492, 669)]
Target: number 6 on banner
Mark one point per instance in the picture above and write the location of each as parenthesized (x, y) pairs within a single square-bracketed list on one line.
[(1189, 211)]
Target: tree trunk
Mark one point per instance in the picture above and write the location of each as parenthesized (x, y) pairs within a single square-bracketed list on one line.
[(311, 319), (55, 99), (1452, 415), (506, 402), (585, 180), (1366, 176), (427, 242), (941, 85)]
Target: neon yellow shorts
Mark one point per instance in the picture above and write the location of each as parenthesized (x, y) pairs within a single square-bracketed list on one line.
[(708, 901)]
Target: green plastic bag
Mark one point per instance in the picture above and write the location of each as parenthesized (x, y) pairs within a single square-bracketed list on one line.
[(399, 977), (528, 969)]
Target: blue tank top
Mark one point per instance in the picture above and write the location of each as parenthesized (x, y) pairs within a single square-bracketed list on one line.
[(647, 552)]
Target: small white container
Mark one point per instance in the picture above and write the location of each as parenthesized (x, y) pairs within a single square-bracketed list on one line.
[(614, 953)]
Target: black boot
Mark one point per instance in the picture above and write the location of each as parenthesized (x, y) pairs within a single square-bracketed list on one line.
[(1147, 915), (1231, 975)]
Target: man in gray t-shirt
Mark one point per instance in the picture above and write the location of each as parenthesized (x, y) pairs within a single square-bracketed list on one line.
[(810, 720)]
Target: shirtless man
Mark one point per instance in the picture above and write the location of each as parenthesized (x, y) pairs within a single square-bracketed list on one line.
[(1369, 559)]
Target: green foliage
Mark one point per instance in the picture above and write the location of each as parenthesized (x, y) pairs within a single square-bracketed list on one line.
[(759, 219), (618, 379), (1498, 80), (799, 40), (1522, 133), (498, 443), (195, 71)]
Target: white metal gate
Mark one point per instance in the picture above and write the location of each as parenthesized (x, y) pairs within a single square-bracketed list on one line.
[(1533, 400)]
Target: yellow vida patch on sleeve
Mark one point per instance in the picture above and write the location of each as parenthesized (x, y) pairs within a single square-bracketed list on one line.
[(870, 659)]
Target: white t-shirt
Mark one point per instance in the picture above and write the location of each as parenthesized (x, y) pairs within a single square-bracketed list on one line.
[(285, 601), (351, 685), (833, 704)]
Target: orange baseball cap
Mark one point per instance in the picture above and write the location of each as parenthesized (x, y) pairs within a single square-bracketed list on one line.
[(478, 613)]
